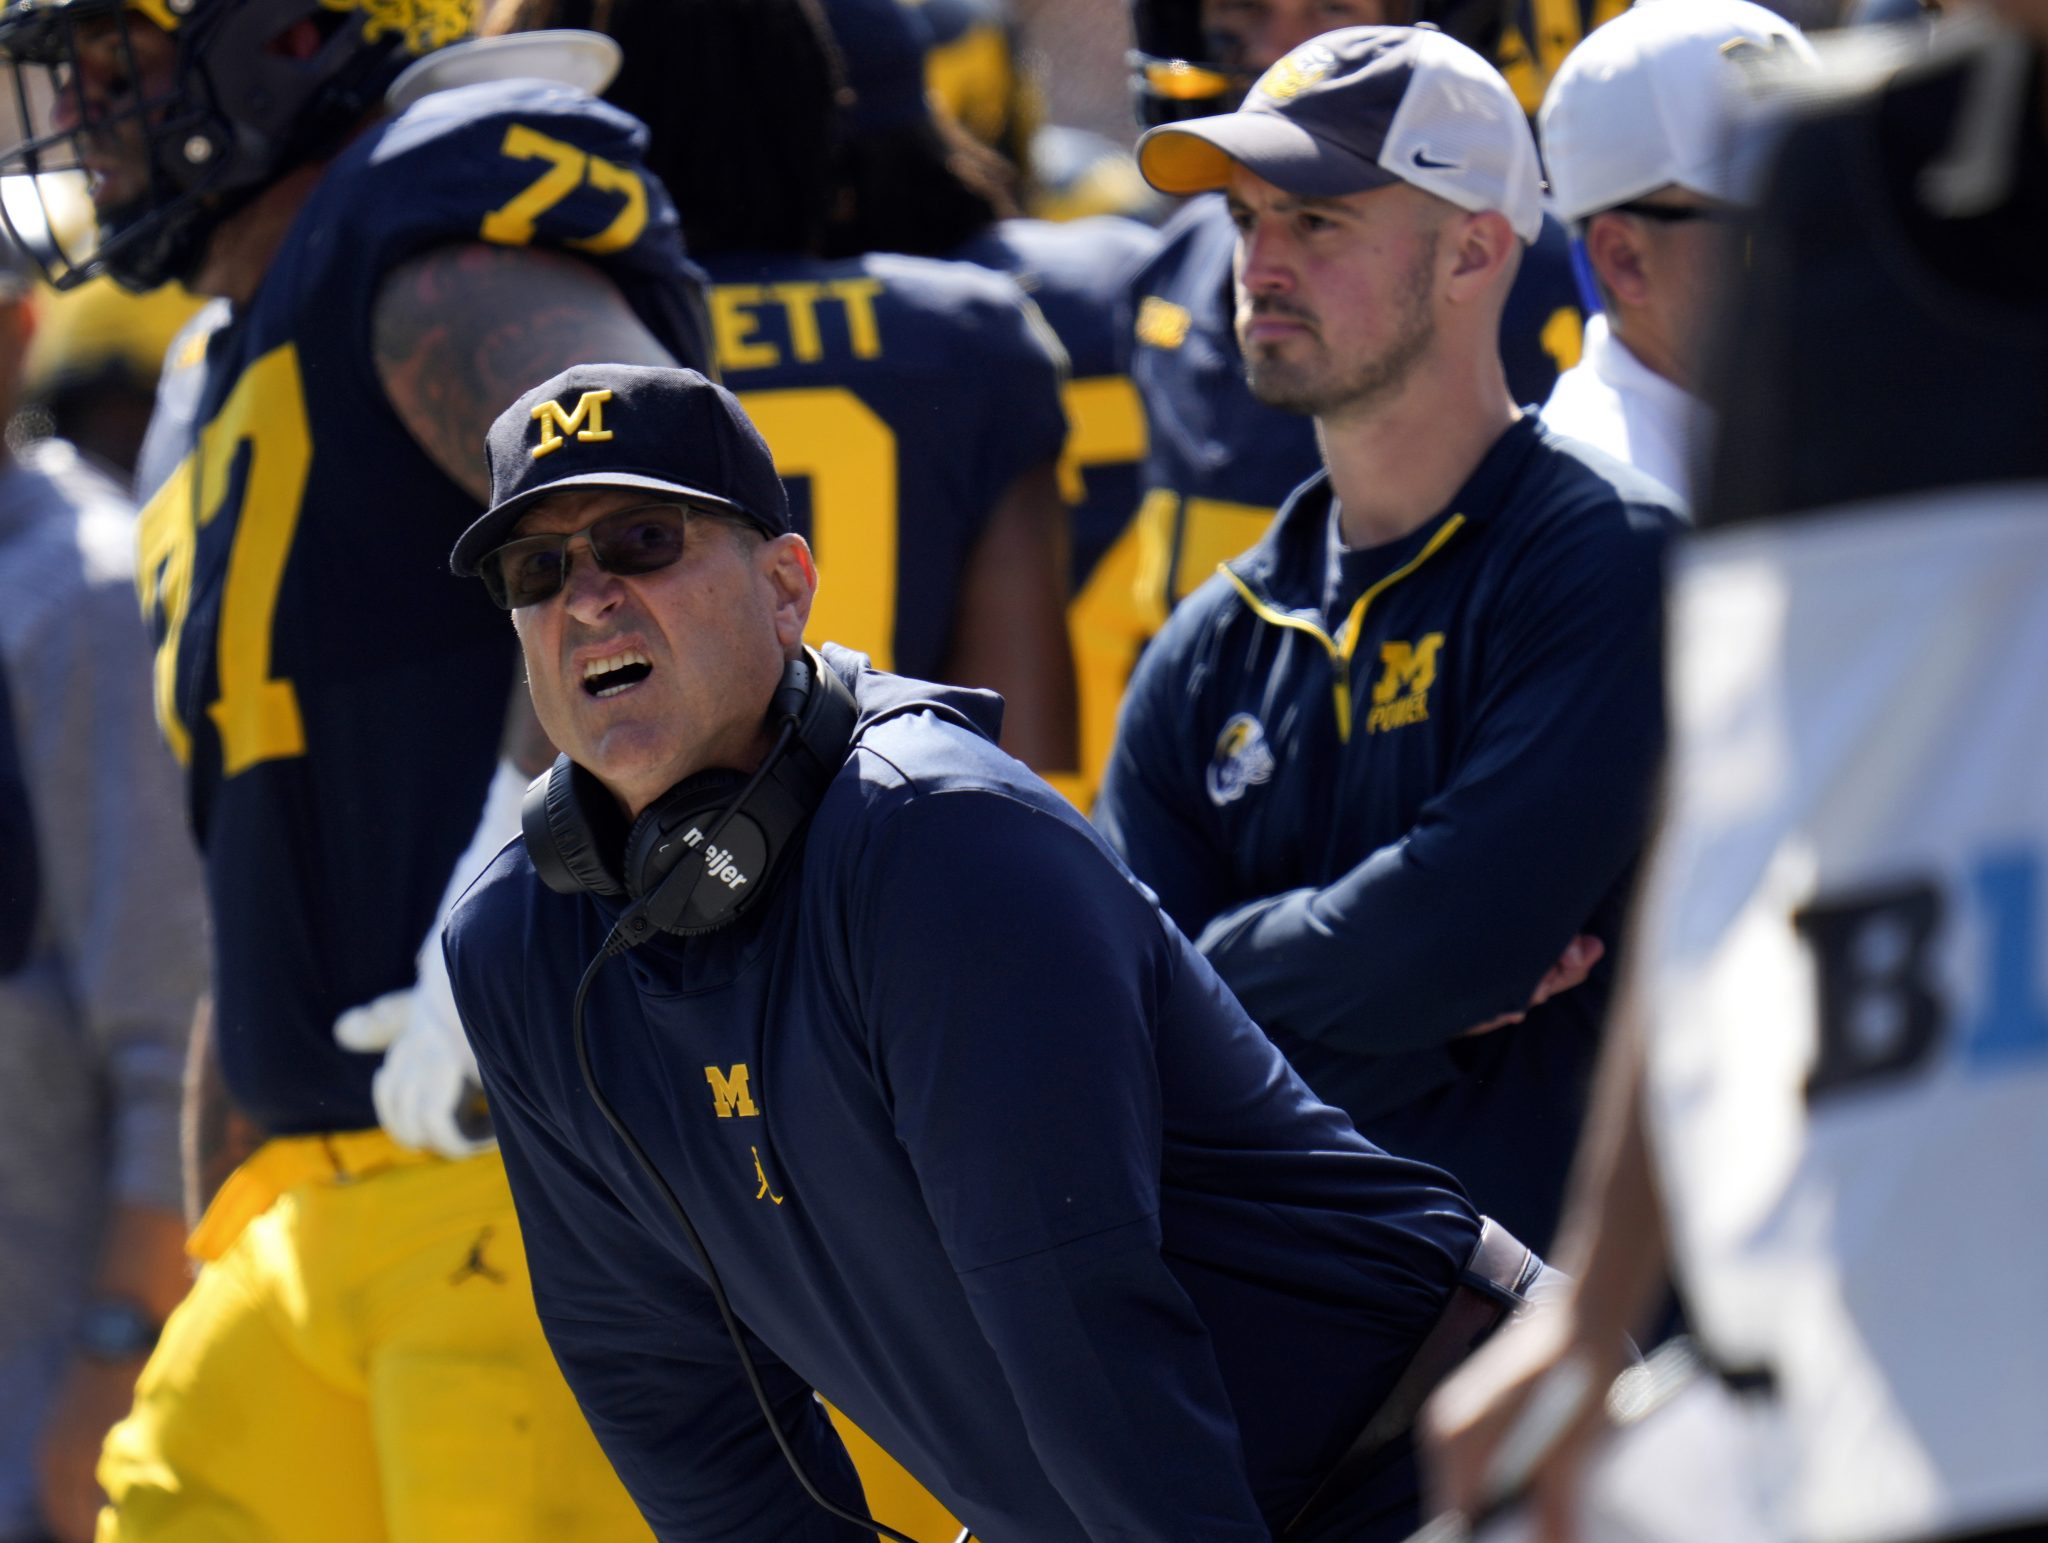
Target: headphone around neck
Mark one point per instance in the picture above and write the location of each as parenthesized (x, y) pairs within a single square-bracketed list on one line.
[(744, 826), (741, 825)]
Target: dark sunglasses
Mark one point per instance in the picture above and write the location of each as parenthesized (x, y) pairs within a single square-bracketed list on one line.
[(1673, 214), (643, 539)]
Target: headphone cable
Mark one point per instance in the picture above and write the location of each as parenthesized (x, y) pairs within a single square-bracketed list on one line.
[(616, 943)]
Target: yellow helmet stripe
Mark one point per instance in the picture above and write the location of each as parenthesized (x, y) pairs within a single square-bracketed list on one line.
[(157, 11), (1179, 81)]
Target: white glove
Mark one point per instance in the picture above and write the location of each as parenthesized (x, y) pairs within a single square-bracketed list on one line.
[(428, 1089), (428, 1093)]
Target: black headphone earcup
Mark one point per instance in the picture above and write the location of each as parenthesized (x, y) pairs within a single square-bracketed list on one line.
[(695, 858), (697, 855), (651, 853), (570, 822)]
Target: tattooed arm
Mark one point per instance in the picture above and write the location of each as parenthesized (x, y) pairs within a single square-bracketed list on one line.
[(213, 1135), (461, 333)]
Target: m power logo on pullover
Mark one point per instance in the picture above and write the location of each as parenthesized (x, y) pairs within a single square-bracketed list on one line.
[(1401, 695)]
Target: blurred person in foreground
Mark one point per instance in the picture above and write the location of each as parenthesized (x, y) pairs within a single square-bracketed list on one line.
[(1392, 767), (359, 1357), (1633, 131), (98, 988), (1821, 1108)]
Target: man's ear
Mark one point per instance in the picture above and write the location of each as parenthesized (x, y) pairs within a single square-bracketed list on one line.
[(1614, 248), (1477, 247), (793, 578)]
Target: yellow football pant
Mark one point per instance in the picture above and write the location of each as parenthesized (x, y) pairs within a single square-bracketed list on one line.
[(894, 1498), (359, 1362)]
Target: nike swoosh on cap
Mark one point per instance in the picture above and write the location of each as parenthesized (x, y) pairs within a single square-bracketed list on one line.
[(1423, 160)]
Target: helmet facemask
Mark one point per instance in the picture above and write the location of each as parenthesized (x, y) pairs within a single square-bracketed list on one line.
[(201, 103), (1176, 69)]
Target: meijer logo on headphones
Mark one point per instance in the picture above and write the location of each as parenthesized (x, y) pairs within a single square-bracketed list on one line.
[(717, 860)]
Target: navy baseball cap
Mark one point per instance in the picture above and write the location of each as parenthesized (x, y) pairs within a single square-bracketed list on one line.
[(1362, 108), (631, 427)]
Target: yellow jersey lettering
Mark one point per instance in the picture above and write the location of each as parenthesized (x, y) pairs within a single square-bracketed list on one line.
[(729, 1093), (1161, 323), (800, 304), (830, 437), (1564, 337), (1105, 427), (733, 325), (568, 168), (626, 226), (586, 422), (736, 321), (263, 424), (1401, 695), (166, 539), (863, 330)]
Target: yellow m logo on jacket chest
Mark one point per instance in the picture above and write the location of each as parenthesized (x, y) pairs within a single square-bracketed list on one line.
[(1401, 695), (729, 1094)]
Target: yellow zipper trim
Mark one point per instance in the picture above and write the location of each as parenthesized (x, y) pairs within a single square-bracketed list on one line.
[(1339, 648)]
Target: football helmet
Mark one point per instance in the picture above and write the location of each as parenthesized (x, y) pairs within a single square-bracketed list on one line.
[(178, 112), (1178, 70)]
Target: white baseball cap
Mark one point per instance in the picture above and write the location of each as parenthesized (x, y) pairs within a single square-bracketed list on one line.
[(1647, 100), (1361, 108)]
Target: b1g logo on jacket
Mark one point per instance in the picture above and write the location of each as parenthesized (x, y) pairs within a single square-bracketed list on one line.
[(1242, 759)]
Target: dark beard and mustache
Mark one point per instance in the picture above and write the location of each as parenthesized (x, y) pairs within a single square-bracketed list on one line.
[(1320, 388)]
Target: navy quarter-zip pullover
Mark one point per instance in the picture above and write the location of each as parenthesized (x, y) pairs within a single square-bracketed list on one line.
[(983, 1152), (1385, 789)]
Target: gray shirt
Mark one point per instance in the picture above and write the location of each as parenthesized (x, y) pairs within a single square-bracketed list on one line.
[(93, 1024)]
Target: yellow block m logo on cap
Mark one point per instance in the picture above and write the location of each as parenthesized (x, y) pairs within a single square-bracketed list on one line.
[(586, 422), (729, 1091)]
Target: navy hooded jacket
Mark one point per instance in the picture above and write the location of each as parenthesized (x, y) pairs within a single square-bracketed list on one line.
[(983, 1152)]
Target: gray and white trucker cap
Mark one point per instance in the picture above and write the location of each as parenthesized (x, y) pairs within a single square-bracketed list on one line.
[(1359, 109)]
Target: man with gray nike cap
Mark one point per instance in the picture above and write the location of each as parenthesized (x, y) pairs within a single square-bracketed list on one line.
[(1391, 767)]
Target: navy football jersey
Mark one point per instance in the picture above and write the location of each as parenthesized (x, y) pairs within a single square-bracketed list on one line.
[(336, 696), (1079, 274), (902, 397), (1538, 35)]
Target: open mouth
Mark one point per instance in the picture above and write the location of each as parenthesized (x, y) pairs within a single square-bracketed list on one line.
[(621, 672)]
